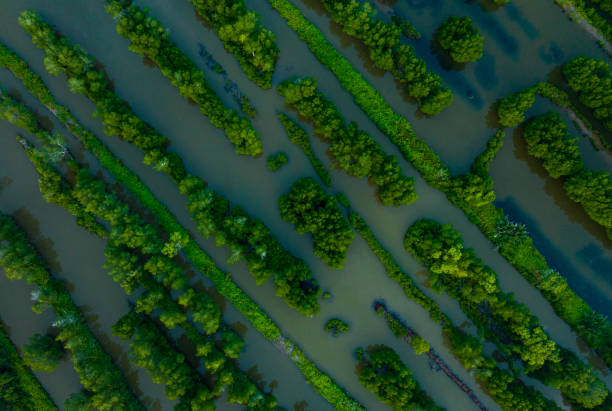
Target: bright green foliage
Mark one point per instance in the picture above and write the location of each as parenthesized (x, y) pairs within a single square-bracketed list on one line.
[(420, 345), (512, 108), (508, 391), (547, 139), (382, 372), (249, 239), (42, 353), (147, 36), (311, 210), (276, 161), (459, 37), (151, 350), (592, 80), (243, 35), (95, 367), (358, 19), (19, 389), (501, 2), (289, 275), (298, 136), (354, 150), (322, 383), (203, 310), (336, 326), (593, 190), (464, 277)]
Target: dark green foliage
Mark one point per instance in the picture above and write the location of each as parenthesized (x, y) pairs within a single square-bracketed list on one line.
[(294, 283), (311, 210), (336, 326), (19, 389), (519, 251), (592, 80), (148, 37), (42, 353), (512, 108), (354, 150), (321, 382), (593, 190), (464, 277), (382, 372), (276, 161), (459, 37), (507, 390), (547, 139), (298, 136), (243, 35), (249, 239), (95, 367), (151, 350), (407, 28), (358, 19), (78, 402)]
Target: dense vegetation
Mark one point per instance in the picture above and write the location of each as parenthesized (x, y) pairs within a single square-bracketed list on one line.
[(457, 271), (591, 79), (353, 149), (276, 161), (311, 210), (507, 390), (19, 389), (321, 382), (580, 9), (382, 372), (243, 35), (358, 19), (252, 241), (106, 386), (42, 353), (459, 37), (300, 138), (548, 139), (513, 242), (336, 326)]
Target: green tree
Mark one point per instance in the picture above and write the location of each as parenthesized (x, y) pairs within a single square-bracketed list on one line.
[(42, 353), (461, 39)]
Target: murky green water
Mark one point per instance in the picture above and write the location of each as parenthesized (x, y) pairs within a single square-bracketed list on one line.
[(524, 42)]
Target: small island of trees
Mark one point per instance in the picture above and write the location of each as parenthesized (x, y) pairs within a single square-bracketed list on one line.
[(459, 37)]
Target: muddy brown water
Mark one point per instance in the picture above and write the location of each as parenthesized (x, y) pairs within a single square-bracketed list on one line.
[(524, 42)]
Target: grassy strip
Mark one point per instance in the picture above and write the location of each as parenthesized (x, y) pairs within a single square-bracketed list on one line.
[(322, 383), (518, 250), (19, 387), (505, 389)]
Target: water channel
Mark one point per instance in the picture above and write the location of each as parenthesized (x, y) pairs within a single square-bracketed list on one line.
[(524, 42)]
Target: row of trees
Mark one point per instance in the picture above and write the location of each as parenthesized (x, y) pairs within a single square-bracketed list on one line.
[(459, 37), (513, 244), (358, 19), (353, 150), (243, 35), (311, 210), (581, 9), (19, 388), (591, 79), (299, 137), (148, 37), (252, 241), (106, 386), (249, 239), (382, 372), (457, 270), (507, 390), (321, 382), (136, 256), (548, 139)]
